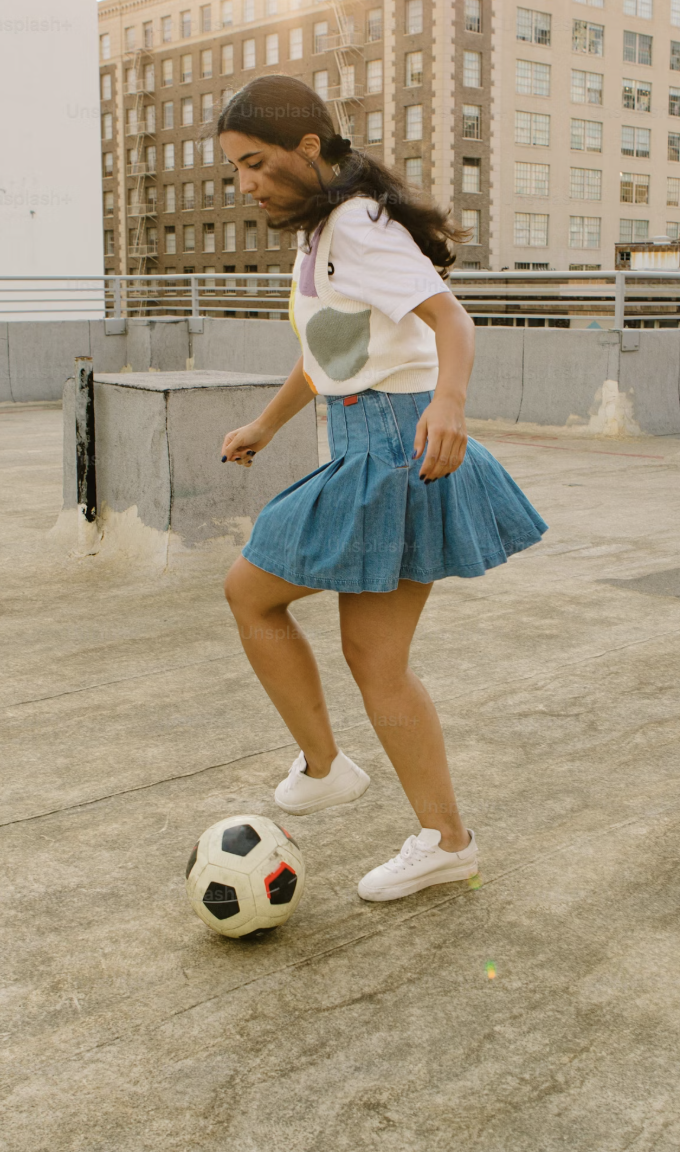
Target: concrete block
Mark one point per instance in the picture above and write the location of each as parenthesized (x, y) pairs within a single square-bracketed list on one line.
[(168, 345), (652, 375), (220, 346), (138, 345), (5, 380), (495, 389), (563, 371), (158, 438), (269, 346), (41, 356), (109, 353)]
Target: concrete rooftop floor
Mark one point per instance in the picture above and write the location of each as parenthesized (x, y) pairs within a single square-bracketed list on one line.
[(132, 721)]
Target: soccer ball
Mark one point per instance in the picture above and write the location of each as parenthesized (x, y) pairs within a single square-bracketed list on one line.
[(245, 873)]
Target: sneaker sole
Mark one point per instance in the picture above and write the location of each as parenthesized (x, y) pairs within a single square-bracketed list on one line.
[(444, 877), (332, 801)]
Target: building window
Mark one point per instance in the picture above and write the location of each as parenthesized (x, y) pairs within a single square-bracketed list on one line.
[(295, 44), (414, 69), (473, 15), (374, 127), (166, 29), (209, 237), (248, 11), (637, 95), (271, 48), (166, 73), (150, 119), (642, 9), (208, 151), (227, 12), (374, 76), (470, 218), (374, 28), (320, 32), (206, 64), (584, 231), (250, 236), (206, 17), (532, 79), (472, 264), (414, 17), (347, 80), (273, 238), (637, 49), (249, 54), (105, 47), (169, 114), (634, 188), (587, 37), (633, 231), (673, 191), (106, 89), (130, 82), (109, 249), (472, 122), (320, 83), (227, 59), (675, 56), (229, 237), (187, 153), (206, 107), (228, 194), (472, 174), (168, 157), (531, 179), (531, 229), (414, 122), (130, 39), (674, 101), (586, 87), (107, 126), (185, 24), (585, 183), (226, 96), (413, 169), (187, 108), (186, 69), (149, 78), (472, 69), (635, 141), (169, 201), (532, 128), (188, 198), (586, 136), (170, 240), (534, 27), (674, 146), (189, 238), (672, 230), (108, 204)]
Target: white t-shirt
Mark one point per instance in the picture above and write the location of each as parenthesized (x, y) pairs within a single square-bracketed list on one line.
[(395, 275)]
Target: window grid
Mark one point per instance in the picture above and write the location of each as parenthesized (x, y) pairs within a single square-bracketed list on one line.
[(532, 79), (473, 15), (532, 128), (587, 37), (531, 179), (470, 218), (585, 183), (584, 231), (586, 135), (633, 231), (533, 27), (637, 48), (472, 122), (634, 188), (637, 95), (531, 229), (472, 174), (673, 191), (635, 141), (414, 122)]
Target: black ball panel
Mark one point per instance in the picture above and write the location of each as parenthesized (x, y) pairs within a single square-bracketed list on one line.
[(240, 840), (280, 885), (221, 900), (192, 860)]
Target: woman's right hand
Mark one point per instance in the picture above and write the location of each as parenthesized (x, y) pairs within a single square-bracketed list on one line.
[(241, 445)]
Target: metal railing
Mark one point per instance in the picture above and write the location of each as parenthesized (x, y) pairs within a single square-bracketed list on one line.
[(612, 299)]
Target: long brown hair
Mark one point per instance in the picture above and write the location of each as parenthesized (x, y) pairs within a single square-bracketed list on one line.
[(280, 110)]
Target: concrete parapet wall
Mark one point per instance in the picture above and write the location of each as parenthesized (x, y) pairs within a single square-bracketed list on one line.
[(539, 375)]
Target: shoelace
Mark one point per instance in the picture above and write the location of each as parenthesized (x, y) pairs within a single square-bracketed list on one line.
[(296, 769), (411, 852)]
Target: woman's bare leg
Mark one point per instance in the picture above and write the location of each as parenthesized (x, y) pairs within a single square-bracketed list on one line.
[(282, 658), (377, 629)]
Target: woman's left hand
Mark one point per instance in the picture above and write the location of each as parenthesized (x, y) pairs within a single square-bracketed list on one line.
[(442, 428)]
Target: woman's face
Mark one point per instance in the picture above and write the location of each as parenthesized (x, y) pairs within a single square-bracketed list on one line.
[(263, 170)]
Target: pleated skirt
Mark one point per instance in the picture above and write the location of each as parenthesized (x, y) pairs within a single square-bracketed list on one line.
[(365, 521)]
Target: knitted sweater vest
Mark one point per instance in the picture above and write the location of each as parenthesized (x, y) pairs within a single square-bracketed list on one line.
[(347, 346)]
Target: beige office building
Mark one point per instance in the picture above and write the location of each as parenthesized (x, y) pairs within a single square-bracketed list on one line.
[(408, 80), (586, 132)]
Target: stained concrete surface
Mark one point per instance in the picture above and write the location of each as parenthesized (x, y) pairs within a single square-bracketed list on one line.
[(131, 721)]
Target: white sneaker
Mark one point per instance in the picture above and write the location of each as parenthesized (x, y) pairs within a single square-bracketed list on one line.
[(301, 794), (420, 863)]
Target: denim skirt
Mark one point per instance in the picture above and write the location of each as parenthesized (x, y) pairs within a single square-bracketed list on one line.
[(365, 521)]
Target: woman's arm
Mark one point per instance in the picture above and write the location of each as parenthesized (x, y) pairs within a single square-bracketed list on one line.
[(242, 444), (442, 425)]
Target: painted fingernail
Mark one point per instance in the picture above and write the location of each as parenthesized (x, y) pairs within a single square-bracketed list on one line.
[(224, 459), (237, 457), (250, 452)]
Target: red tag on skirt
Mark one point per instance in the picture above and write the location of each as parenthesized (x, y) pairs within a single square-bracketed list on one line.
[(350, 400)]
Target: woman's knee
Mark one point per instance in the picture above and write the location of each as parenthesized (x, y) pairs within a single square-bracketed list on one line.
[(372, 665), (237, 588)]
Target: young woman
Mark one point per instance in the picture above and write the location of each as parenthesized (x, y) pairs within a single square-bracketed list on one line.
[(407, 498)]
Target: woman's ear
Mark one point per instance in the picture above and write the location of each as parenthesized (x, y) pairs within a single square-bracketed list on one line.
[(310, 146)]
